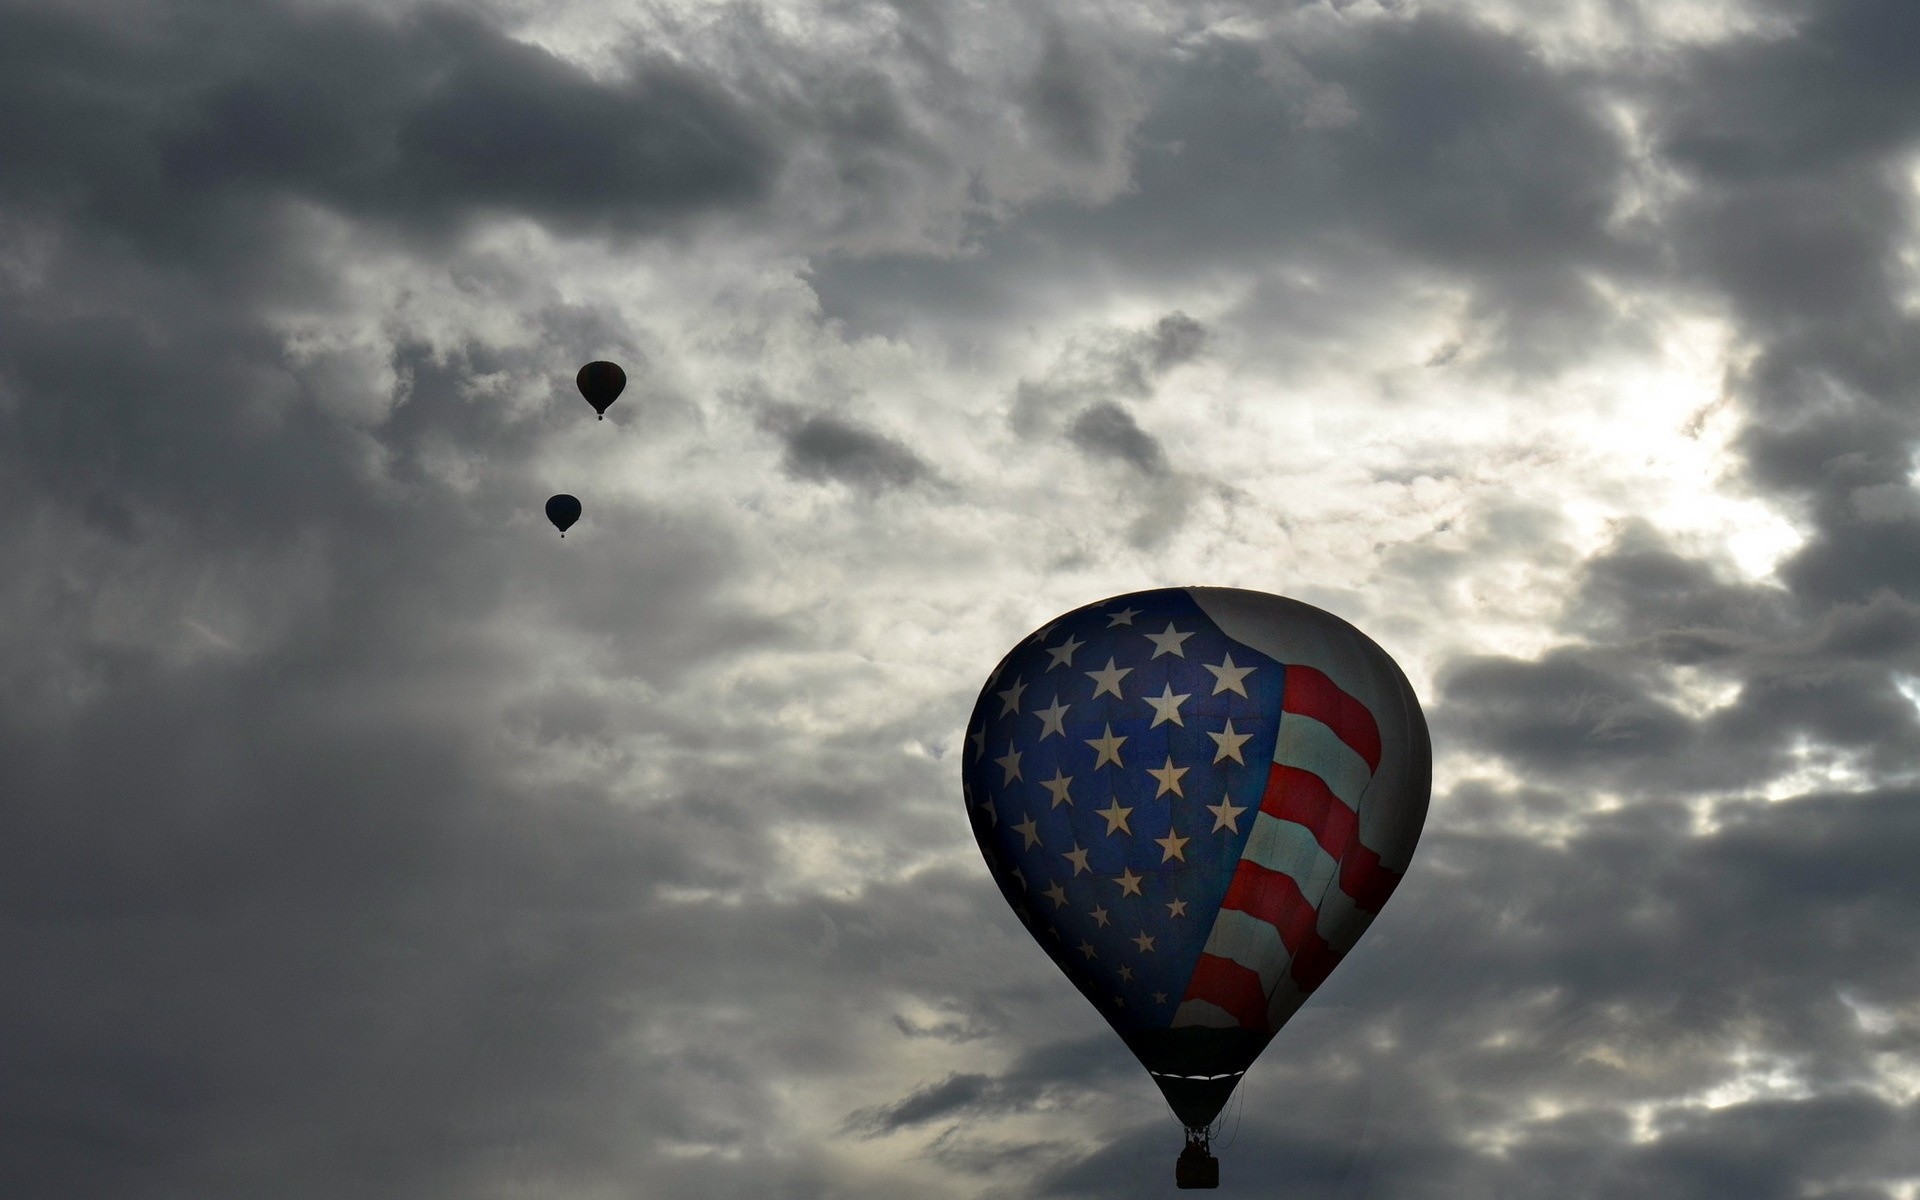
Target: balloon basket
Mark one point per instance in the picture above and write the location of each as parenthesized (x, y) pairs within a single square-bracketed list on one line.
[(1196, 1166)]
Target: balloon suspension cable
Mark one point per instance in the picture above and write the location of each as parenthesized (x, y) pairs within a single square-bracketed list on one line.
[(1230, 1115)]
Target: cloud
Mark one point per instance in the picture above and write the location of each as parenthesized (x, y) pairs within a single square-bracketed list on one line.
[(821, 448), (1106, 430), (423, 119)]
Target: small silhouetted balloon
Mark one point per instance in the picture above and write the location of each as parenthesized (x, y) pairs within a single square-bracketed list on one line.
[(601, 383), (563, 510)]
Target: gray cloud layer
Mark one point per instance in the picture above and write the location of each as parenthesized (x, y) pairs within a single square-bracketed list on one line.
[(358, 835)]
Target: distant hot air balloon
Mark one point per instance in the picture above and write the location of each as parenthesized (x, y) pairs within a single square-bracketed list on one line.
[(1196, 800), (563, 510), (601, 383)]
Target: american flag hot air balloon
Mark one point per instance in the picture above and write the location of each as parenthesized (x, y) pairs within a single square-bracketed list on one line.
[(1196, 800)]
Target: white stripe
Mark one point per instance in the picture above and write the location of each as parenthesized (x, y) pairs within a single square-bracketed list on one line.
[(1202, 1012), (1252, 943), (1311, 746), (1289, 848)]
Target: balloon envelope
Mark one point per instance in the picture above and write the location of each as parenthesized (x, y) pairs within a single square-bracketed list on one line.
[(601, 383), (563, 510), (1196, 800)]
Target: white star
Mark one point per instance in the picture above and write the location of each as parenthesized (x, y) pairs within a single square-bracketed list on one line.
[(1227, 677), (1057, 894), (1086, 948), (979, 739), (1109, 679), (1126, 974), (1010, 763), (1116, 818), (1063, 653), (1108, 747), (1124, 617), (1052, 719), (1078, 858), (1172, 846), (1168, 641), (1159, 997), (1099, 916), (1226, 815), (1175, 908), (993, 813), (1227, 743), (1058, 786), (1129, 882), (1029, 830), (1143, 941), (1166, 707), (1169, 777), (1010, 697)]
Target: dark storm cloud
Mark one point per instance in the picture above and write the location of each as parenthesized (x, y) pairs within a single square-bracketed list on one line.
[(273, 874), (1063, 101), (1640, 591), (168, 126), (282, 887), (1553, 713), (1608, 709), (821, 447), (1081, 399), (955, 1093), (1177, 338), (1093, 374), (1455, 148), (1108, 431), (301, 907)]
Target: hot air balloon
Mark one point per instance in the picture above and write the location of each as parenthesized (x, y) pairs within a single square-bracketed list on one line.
[(563, 510), (601, 383), (1196, 800)]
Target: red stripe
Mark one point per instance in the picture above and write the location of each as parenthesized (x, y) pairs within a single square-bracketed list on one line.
[(1303, 797), (1274, 898), (1233, 987), (1311, 694), (1363, 878)]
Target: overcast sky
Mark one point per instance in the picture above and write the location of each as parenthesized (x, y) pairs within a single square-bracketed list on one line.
[(361, 838)]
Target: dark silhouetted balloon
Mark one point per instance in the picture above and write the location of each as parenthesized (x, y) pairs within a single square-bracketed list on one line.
[(1196, 799), (563, 510), (601, 383)]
